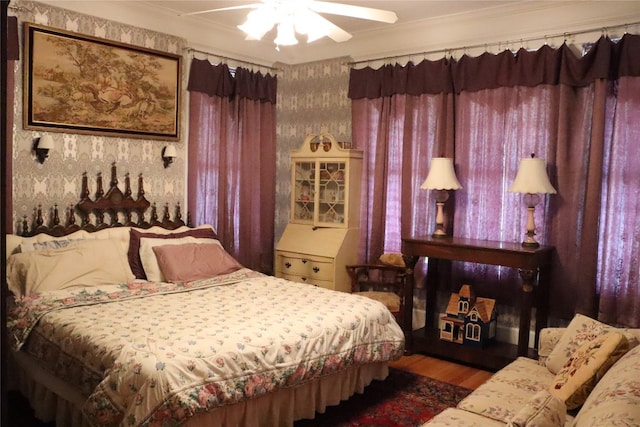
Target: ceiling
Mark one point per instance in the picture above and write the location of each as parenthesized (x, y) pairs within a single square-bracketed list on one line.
[(407, 11), (422, 25), (410, 13)]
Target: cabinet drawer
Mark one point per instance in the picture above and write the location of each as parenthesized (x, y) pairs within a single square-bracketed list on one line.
[(293, 265), (321, 270), (297, 278), (292, 277), (327, 284)]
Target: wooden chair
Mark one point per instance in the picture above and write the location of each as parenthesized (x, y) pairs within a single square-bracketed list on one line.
[(388, 284)]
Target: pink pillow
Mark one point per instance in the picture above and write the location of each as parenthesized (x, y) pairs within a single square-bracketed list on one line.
[(193, 261), (134, 245)]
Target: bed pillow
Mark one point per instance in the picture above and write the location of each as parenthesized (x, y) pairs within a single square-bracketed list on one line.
[(43, 246), (192, 261), (586, 366), (581, 329), (148, 257), (134, 244), (86, 263)]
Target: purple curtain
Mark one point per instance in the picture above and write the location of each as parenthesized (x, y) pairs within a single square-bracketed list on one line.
[(619, 245), (397, 134), (232, 159), (506, 106)]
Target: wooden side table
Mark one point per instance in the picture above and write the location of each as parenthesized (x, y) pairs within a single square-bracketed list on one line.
[(533, 265)]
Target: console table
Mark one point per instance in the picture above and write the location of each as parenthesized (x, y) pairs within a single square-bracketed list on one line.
[(533, 264)]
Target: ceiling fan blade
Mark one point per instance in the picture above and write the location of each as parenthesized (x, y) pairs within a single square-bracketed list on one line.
[(244, 6), (360, 12), (325, 26), (339, 35)]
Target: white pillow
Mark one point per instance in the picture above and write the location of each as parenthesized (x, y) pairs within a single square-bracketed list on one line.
[(148, 257), (43, 246), (86, 263)]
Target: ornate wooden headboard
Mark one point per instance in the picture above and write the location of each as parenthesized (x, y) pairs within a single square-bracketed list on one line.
[(114, 203)]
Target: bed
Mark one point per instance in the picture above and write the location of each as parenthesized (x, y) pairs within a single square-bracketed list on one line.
[(149, 323)]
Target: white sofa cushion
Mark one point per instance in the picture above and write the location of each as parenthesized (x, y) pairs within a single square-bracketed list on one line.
[(549, 338), (453, 417), (509, 390), (615, 400), (543, 409)]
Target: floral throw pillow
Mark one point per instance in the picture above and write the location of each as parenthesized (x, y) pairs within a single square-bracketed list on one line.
[(586, 367), (581, 329)]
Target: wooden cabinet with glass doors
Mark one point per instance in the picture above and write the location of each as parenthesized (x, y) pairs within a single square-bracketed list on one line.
[(322, 235)]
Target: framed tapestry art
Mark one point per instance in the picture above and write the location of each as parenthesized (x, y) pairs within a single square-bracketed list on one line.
[(76, 83)]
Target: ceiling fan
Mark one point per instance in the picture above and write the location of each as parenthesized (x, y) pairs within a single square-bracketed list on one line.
[(301, 16)]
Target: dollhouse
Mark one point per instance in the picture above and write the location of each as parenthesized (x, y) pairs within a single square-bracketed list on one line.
[(469, 319)]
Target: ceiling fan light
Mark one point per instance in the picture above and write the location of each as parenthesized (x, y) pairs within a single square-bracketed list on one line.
[(286, 35), (258, 23), (307, 22), (301, 16), (252, 32)]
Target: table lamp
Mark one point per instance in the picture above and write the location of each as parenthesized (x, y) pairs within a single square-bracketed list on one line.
[(441, 177), (531, 180)]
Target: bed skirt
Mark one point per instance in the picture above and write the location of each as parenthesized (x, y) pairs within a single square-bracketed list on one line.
[(53, 400)]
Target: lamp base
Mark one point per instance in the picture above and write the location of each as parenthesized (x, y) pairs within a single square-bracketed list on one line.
[(530, 240), (439, 233), (530, 245), (442, 197)]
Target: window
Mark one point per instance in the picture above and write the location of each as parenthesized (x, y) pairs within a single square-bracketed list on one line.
[(473, 332)]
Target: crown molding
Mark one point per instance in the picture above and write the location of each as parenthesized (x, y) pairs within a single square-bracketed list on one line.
[(492, 26)]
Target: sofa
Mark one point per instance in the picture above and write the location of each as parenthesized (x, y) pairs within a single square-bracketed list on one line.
[(587, 374)]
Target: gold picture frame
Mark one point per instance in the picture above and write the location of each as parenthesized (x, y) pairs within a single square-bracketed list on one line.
[(76, 83)]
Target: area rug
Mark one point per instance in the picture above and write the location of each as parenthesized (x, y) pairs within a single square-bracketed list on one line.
[(402, 400)]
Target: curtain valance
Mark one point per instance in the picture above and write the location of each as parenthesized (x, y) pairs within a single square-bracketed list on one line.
[(426, 77), (606, 60), (217, 80)]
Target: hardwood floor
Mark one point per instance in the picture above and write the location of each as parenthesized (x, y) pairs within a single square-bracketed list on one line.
[(449, 372)]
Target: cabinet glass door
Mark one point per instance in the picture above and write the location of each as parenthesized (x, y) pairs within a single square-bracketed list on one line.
[(331, 192), (304, 191)]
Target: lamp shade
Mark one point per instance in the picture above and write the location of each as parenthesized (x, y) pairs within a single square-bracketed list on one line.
[(169, 151), (45, 142), (532, 178), (441, 175)]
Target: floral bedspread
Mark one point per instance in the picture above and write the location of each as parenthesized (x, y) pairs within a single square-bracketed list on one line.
[(150, 354)]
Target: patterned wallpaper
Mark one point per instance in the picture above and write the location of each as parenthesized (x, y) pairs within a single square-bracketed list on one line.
[(312, 98), (58, 180)]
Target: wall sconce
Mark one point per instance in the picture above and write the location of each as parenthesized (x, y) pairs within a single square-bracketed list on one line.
[(168, 154), (531, 180), (441, 177), (41, 147)]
